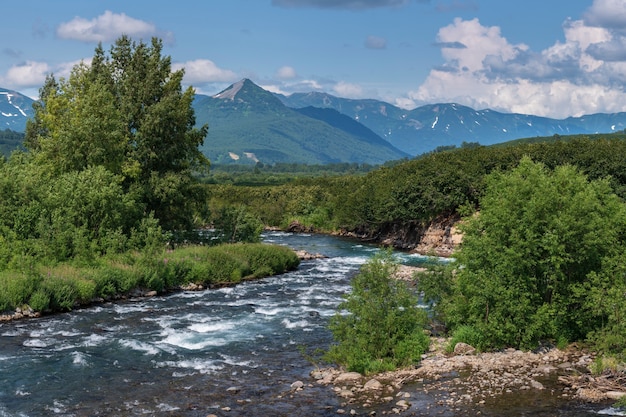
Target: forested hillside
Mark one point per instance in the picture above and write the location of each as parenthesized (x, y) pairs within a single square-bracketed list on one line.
[(10, 141), (414, 193)]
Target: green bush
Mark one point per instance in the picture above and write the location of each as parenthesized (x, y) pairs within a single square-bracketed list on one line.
[(384, 326), (542, 260), (467, 334), (39, 301), (16, 288), (62, 292)]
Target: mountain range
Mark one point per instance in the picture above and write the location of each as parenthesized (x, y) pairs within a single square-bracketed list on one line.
[(248, 124), (425, 128)]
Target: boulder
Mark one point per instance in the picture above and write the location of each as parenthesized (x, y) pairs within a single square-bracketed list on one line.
[(464, 349), (347, 377), (373, 384), (298, 385), (297, 227)]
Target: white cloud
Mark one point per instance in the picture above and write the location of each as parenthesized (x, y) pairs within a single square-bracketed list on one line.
[(286, 73), (607, 13), (348, 90), (205, 71), (28, 74), (584, 74), (108, 27)]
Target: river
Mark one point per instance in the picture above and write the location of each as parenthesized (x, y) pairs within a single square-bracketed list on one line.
[(231, 351)]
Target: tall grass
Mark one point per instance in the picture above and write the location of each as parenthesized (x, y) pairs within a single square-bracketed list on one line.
[(63, 286)]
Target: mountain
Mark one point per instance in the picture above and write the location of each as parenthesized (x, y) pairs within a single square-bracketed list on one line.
[(427, 127), (250, 124), (15, 110)]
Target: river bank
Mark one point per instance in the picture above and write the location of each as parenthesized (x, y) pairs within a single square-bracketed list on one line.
[(466, 380), (472, 380)]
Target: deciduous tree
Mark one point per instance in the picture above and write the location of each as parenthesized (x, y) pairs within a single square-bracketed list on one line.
[(128, 113)]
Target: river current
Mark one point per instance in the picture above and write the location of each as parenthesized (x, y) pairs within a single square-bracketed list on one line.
[(231, 351)]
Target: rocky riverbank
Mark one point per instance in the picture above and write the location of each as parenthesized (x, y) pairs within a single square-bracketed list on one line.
[(473, 380)]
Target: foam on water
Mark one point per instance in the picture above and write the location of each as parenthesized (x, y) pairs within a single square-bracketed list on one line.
[(12, 332), (21, 393), (124, 309), (195, 365), (166, 407), (221, 326), (146, 348), (612, 412), (94, 340), (268, 311), (191, 340), (295, 324), (80, 359), (37, 343)]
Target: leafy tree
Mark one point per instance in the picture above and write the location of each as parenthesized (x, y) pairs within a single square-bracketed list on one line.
[(384, 327), (536, 260), (237, 225), (126, 112)]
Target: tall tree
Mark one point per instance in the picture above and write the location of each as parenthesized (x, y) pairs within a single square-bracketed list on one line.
[(126, 111)]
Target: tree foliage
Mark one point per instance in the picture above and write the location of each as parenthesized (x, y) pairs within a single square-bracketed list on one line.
[(126, 112), (537, 259), (384, 326)]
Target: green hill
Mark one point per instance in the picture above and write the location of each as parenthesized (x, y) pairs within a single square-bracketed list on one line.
[(248, 124)]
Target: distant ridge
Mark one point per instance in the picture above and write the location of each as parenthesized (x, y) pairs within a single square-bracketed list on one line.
[(427, 127), (15, 110)]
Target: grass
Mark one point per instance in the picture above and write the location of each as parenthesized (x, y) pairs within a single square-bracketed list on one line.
[(64, 286)]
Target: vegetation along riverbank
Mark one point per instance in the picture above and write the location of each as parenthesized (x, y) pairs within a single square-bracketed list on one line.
[(104, 200)]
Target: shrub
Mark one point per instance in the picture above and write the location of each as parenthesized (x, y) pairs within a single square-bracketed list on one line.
[(62, 292), (39, 301), (543, 260), (384, 327), (16, 288), (466, 334)]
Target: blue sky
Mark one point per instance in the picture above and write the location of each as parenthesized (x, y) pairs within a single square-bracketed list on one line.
[(555, 58)]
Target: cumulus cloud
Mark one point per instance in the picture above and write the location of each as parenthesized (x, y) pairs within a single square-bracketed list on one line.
[(343, 4), (27, 74), (286, 73), (201, 71), (585, 73), (108, 27), (607, 14), (375, 42), (348, 90)]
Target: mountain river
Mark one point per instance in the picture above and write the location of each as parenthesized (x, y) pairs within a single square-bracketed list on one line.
[(229, 352)]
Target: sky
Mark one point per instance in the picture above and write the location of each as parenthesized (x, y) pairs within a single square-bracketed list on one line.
[(554, 58)]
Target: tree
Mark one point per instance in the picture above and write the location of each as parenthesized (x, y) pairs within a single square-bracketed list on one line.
[(126, 112), (384, 327), (530, 258)]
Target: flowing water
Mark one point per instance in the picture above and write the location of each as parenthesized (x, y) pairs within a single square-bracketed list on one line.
[(232, 351)]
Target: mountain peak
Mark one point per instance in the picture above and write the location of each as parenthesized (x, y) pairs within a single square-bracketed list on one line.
[(247, 93), (230, 92)]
